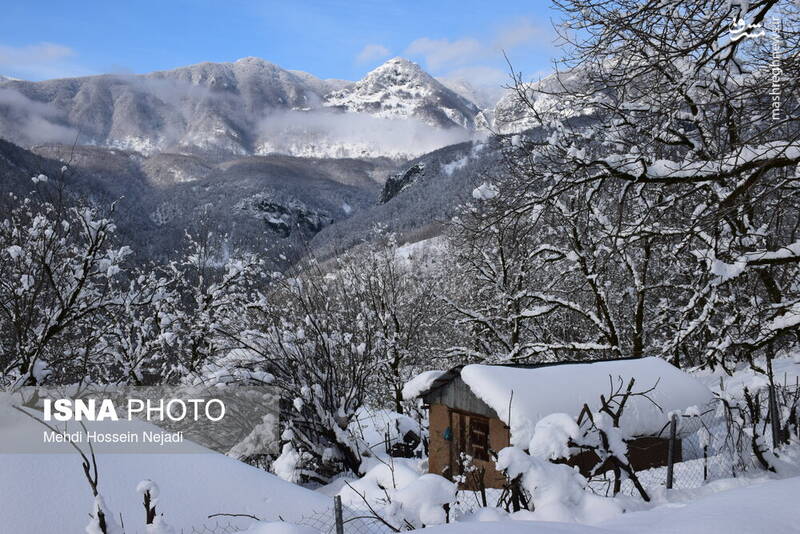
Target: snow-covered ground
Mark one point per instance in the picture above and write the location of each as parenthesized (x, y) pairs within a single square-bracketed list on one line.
[(719, 508), (43, 494), (48, 493)]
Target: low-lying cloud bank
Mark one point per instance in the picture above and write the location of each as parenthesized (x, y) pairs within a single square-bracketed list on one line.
[(31, 122), (173, 115), (335, 134)]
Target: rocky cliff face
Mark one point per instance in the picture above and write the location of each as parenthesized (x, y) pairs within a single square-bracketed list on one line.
[(397, 183), (286, 216)]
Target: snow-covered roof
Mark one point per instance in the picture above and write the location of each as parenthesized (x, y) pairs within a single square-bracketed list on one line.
[(539, 391), (420, 384)]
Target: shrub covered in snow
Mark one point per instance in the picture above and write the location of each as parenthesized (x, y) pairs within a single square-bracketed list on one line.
[(399, 494), (558, 492), (102, 519), (552, 435)]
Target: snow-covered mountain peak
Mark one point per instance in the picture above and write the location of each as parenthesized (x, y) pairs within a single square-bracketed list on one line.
[(401, 88), (398, 70), (253, 60)]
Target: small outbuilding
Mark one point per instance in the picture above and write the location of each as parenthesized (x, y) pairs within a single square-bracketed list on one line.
[(477, 410)]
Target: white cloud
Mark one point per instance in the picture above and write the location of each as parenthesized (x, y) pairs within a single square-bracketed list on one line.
[(441, 53), (39, 61), (350, 134), (481, 75), (372, 52), (33, 122), (480, 61), (522, 32)]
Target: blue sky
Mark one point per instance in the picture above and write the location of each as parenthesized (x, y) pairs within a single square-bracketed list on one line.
[(328, 38)]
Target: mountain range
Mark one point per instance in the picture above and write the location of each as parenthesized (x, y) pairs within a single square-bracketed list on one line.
[(248, 107), (269, 158)]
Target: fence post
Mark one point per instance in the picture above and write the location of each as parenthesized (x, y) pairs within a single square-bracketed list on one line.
[(337, 509), (673, 423), (705, 463), (775, 424)]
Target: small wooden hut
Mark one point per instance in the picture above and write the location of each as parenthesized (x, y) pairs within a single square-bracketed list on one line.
[(477, 410)]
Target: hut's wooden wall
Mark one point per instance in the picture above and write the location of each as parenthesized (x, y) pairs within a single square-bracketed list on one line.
[(456, 394), (443, 455), (438, 447), (644, 453)]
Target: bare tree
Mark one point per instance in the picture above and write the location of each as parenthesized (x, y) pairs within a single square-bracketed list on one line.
[(315, 334), (58, 267), (656, 199), (605, 440)]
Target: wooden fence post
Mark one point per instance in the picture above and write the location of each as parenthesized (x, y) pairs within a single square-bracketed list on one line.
[(337, 509), (774, 418), (673, 423)]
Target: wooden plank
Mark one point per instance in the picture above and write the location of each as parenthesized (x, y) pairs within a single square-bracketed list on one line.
[(457, 395)]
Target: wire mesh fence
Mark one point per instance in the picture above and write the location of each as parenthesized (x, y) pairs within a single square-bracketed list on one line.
[(720, 442), (705, 457), (698, 458), (215, 527), (353, 521), (323, 520)]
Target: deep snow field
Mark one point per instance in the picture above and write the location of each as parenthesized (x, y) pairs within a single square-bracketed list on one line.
[(47, 493), (723, 507)]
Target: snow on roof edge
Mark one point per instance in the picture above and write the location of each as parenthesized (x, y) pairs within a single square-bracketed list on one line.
[(447, 376), (421, 384)]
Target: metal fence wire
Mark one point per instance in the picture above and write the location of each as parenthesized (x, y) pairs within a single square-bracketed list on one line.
[(705, 457), (699, 457), (352, 521), (324, 520), (713, 448), (213, 528)]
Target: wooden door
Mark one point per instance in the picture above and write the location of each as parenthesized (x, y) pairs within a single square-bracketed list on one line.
[(470, 437)]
